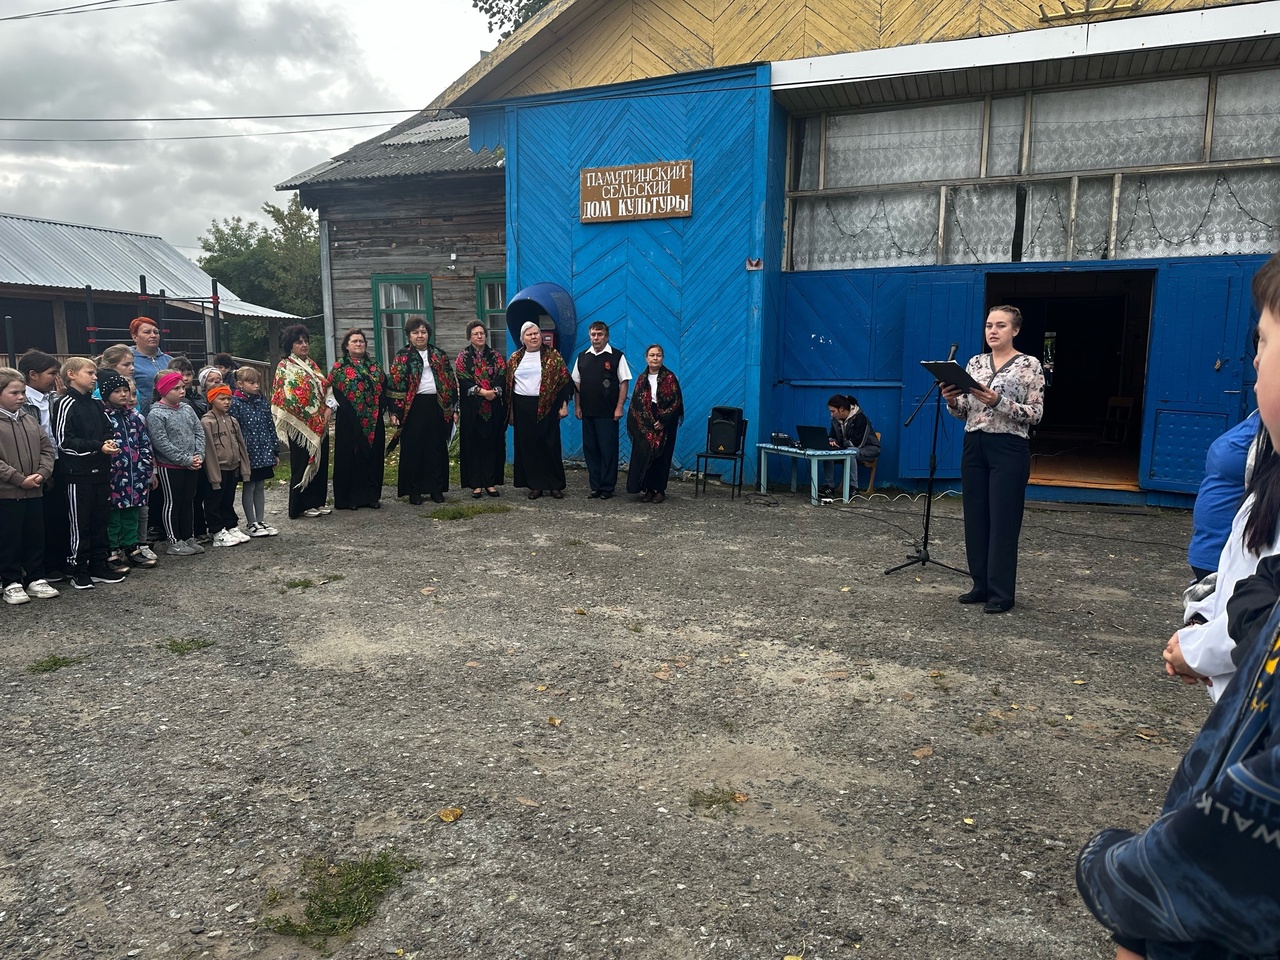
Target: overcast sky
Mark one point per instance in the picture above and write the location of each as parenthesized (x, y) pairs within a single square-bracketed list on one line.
[(179, 58)]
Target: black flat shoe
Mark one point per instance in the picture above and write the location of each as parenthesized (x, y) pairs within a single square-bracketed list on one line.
[(593, 495), (606, 495), (476, 495), (534, 494), (416, 500), (973, 596), (998, 606), (557, 494), (376, 505), (493, 492), (646, 497), (659, 497)]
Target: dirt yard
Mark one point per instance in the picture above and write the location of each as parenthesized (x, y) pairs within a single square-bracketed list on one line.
[(709, 728)]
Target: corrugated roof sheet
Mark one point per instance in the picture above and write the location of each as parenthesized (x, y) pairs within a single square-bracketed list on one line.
[(430, 142), (46, 253)]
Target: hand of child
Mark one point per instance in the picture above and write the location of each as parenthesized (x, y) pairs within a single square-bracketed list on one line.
[(110, 446), (1175, 665)]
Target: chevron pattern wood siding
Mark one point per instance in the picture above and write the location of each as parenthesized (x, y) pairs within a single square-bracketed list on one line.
[(616, 41), (680, 283)]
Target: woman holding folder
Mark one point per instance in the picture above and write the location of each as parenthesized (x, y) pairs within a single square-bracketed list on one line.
[(996, 463)]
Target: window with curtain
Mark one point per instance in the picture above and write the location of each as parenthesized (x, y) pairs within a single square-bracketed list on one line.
[(395, 300)]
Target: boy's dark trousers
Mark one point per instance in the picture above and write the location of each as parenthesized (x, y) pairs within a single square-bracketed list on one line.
[(88, 511), (219, 505), (21, 540)]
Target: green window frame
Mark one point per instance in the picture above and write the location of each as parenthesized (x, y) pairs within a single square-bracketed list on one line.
[(396, 298), (491, 307)]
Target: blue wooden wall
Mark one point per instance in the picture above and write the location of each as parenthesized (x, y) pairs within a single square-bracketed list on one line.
[(682, 282)]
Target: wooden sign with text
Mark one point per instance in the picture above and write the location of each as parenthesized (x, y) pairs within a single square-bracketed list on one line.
[(644, 191)]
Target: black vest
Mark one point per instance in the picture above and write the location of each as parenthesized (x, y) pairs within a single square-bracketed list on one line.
[(599, 387)]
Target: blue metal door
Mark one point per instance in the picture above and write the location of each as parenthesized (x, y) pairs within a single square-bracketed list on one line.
[(940, 310), (1196, 369)]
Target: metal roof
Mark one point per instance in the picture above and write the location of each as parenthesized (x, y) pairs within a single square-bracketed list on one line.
[(67, 256), (430, 142)]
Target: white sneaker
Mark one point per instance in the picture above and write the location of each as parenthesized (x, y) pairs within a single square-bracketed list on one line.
[(147, 552), (224, 538), (271, 531), (15, 595), (41, 590), (240, 535), (194, 545), (259, 530)]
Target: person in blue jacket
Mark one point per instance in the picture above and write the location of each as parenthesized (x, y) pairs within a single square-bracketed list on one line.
[(1203, 881), (1220, 495)]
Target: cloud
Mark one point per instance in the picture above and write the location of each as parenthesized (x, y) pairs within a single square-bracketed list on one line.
[(231, 57)]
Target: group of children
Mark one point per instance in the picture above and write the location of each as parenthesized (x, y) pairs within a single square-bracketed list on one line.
[(87, 482)]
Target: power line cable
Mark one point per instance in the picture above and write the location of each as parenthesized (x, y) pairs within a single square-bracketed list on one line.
[(247, 116), (99, 7), (202, 136)]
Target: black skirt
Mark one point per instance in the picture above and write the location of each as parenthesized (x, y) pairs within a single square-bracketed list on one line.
[(357, 465), (539, 463), (424, 449), (314, 494), (482, 445)]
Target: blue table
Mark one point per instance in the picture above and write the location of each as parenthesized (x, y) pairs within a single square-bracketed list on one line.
[(848, 457)]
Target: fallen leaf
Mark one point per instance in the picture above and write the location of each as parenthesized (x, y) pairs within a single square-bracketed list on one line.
[(662, 673), (845, 589), (799, 680), (1067, 716), (473, 663), (1146, 733), (580, 612), (427, 591), (1079, 683), (554, 721), (837, 674), (540, 687), (922, 753), (935, 673), (969, 820), (740, 798), (527, 802), (907, 695), (449, 814)]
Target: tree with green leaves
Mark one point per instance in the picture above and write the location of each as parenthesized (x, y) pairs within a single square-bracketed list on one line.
[(275, 266), (506, 15)]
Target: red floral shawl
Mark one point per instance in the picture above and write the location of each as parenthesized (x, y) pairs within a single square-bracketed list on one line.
[(480, 368), (406, 374), (298, 408), (360, 382), (646, 426), (555, 378)]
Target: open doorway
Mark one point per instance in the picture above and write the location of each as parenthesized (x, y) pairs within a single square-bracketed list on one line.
[(1090, 330)]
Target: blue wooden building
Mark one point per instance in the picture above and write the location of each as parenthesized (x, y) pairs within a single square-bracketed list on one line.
[(859, 209)]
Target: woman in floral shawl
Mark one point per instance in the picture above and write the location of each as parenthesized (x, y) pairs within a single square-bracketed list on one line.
[(301, 404), (359, 438), (482, 427), (538, 391), (423, 392), (657, 407)]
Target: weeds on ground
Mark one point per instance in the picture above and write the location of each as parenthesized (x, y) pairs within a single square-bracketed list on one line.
[(53, 662), (183, 647), (338, 897), (716, 799), (465, 511)]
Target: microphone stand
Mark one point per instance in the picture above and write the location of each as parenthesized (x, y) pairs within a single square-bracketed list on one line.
[(921, 554)]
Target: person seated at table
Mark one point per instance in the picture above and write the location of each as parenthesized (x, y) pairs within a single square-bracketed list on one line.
[(850, 427)]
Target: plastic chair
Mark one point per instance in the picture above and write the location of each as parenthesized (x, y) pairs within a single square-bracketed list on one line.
[(726, 438)]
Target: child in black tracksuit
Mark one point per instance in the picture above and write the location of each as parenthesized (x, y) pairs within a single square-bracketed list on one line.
[(83, 470)]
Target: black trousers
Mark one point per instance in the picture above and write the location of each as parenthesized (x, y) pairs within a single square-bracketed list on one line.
[(179, 486), (88, 511), (219, 505), (994, 470), (21, 540), (600, 448)]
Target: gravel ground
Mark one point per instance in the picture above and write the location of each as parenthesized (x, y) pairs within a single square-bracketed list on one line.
[(709, 728)]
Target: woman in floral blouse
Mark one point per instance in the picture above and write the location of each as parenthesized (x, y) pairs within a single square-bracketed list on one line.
[(300, 406), (996, 462), (482, 426), (657, 408), (423, 392), (359, 438)]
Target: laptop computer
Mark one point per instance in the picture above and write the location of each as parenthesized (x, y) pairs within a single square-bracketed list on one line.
[(813, 438)]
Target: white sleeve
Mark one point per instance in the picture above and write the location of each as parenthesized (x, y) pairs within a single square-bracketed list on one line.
[(577, 380), (1207, 647), (624, 371)]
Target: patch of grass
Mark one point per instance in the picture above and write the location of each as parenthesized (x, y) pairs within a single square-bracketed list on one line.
[(335, 577), (299, 583), (183, 647), (868, 676), (715, 799), (465, 511), (52, 662), (339, 895), (983, 728), (574, 542), (636, 626)]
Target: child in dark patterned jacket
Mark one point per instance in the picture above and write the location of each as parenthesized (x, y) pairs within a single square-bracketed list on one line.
[(252, 411), (132, 471)]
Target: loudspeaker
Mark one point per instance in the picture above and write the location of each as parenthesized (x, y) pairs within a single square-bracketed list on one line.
[(723, 428)]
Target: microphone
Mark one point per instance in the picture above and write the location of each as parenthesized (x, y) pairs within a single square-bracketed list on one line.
[(954, 348)]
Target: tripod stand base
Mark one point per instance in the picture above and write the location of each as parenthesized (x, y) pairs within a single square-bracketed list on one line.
[(921, 557)]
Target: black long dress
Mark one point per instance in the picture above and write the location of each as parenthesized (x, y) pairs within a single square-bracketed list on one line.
[(652, 424), (358, 466), (482, 428)]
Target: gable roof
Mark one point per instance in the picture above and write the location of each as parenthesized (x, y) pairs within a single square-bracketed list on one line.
[(430, 142), (68, 256)]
